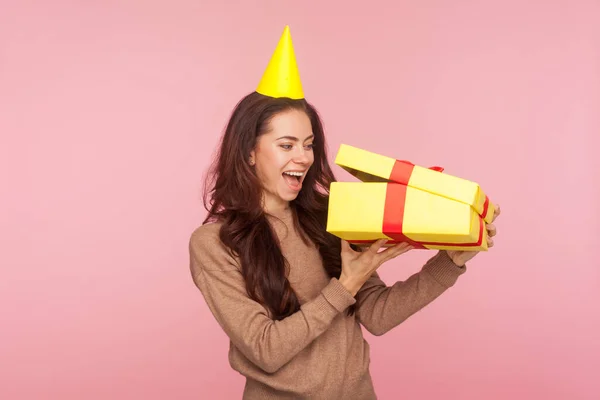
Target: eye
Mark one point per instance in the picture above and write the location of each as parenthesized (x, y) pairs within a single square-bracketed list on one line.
[(286, 146)]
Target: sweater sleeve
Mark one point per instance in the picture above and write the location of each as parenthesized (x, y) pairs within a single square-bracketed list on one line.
[(381, 308), (268, 343)]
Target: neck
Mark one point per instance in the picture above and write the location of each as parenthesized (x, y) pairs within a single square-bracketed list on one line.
[(276, 208)]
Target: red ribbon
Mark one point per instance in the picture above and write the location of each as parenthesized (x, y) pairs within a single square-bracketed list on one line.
[(402, 170), (393, 214), (486, 206)]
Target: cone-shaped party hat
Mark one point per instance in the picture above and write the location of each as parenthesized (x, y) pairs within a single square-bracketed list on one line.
[(281, 78)]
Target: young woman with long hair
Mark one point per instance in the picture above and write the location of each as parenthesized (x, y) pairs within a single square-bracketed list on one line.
[(290, 296)]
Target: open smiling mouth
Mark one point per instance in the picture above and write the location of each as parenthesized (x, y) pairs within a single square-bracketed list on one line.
[(293, 179)]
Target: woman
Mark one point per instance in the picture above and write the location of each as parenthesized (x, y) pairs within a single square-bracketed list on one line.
[(290, 296)]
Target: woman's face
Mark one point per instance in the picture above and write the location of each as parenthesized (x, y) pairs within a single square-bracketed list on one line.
[(282, 157)]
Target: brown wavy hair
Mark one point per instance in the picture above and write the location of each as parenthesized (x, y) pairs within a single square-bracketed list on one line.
[(233, 193)]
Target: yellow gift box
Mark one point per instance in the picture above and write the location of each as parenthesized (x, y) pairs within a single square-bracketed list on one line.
[(428, 211), (364, 212), (371, 167)]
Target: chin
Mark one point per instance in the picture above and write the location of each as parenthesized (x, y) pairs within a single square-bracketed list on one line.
[(287, 194), (289, 197)]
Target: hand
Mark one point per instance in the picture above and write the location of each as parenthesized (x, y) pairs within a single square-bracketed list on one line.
[(358, 266), (460, 258)]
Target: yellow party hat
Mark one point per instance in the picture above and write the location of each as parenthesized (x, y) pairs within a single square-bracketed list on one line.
[(281, 78)]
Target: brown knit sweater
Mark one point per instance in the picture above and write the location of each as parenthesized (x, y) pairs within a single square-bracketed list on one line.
[(319, 352)]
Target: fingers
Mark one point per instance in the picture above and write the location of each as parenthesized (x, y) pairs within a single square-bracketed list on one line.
[(346, 246), (374, 248), (491, 232), (496, 212), (394, 251), (398, 249)]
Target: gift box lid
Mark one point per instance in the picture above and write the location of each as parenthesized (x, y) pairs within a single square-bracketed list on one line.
[(368, 166)]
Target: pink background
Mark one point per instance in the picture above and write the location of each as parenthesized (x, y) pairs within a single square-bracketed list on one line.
[(110, 111)]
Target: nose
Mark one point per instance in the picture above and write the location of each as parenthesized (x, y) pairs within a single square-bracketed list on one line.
[(301, 157)]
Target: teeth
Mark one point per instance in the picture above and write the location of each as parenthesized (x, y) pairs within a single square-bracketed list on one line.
[(292, 173)]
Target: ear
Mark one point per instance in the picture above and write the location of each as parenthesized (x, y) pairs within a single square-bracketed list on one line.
[(252, 159)]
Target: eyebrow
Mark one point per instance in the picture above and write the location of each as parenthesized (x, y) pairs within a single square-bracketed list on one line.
[(294, 138)]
